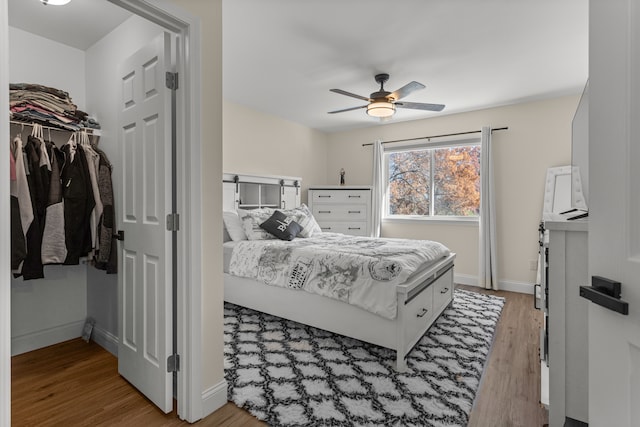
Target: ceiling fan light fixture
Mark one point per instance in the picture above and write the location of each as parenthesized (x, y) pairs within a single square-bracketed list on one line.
[(381, 109), (55, 2)]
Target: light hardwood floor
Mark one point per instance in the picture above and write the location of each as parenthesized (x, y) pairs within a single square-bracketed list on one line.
[(77, 384)]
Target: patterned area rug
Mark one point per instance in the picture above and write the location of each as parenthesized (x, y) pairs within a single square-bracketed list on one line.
[(289, 374)]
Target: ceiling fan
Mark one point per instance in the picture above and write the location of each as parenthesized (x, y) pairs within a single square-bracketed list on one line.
[(383, 104)]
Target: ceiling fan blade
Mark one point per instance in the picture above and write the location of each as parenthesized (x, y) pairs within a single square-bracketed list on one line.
[(353, 95), (420, 106), (347, 109), (405, 90)]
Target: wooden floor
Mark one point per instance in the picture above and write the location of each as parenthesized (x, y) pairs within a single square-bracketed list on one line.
[(77, 384)]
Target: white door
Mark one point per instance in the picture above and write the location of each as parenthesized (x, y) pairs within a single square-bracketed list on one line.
[(614, 209), (145, 278)]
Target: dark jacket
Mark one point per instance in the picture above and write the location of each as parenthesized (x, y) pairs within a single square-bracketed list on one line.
[(78, 203)]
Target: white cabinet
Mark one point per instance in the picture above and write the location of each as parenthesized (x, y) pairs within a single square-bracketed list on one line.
[(342, 209), (567, 321), (259, 191)]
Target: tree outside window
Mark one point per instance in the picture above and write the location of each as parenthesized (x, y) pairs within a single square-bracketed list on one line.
[(441, 181)]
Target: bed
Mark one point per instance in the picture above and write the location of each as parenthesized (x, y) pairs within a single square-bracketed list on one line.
[(415, 288)]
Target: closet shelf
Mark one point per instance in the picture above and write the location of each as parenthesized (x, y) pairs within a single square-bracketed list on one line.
[(90, 131)]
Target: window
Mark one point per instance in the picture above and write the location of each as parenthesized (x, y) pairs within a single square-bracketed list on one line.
[(434, 181)]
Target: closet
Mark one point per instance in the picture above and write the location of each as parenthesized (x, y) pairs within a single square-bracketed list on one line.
[(54, 309), (125, 68)]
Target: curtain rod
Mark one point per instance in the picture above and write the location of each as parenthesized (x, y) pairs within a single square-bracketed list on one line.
[(15, 122), (434, 136)]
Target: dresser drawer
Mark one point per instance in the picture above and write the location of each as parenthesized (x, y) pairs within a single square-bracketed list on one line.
[(352, 227), (418, 313), (443, 290), (333, 212), (341, 196)]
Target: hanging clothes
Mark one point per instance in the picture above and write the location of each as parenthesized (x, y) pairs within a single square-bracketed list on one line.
[(93, 163), (57, 208), (38, 180), (78, 202), (18, 242), (106, 257), (22, 185), (54, 248)]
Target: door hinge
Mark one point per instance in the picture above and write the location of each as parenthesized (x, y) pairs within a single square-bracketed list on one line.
[(173, 222), (171, 80), (173, 363)]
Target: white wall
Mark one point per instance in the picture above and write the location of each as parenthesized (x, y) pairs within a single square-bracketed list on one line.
[(539, 137), (50, 310), (102, 85), (35, 59), (211, 374), (262, 144)]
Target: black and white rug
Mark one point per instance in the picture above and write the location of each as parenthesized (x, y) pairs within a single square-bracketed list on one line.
[(289, 374)]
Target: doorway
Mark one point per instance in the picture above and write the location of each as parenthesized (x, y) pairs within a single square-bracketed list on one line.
[(177, 21)]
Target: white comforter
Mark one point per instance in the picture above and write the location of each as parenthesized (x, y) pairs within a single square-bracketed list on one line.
[(361, 271)]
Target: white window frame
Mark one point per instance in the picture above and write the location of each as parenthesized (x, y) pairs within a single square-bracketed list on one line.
[(432, 219)]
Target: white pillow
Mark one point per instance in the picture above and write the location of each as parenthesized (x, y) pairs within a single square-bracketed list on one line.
[(304, 217), (233, 224), (251, 220)]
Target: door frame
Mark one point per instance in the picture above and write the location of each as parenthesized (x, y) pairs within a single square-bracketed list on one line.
[(188, 181), (5, 218), (189, 185)]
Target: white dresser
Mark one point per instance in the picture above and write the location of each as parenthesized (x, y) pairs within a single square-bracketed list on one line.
[(342, 209), (568, 380)]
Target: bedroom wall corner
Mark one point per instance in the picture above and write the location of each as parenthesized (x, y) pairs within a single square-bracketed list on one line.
[(539, 137), (262, 144)]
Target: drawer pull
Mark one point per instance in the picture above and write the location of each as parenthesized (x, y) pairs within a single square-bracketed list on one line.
[(422, 313), (354, 211), (325, 228), (444, 291), (354, 228), (324, 212), (321, 196), (354, 197)]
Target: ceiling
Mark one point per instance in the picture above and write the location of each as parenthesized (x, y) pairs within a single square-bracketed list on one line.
[(281, 57)]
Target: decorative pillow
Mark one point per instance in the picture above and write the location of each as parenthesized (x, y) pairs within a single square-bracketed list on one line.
[(251, 220), (282, 226), (233, 225), (304, 217)]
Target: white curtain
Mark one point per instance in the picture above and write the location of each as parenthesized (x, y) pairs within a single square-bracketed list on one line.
[(379, 187), (488, 269)]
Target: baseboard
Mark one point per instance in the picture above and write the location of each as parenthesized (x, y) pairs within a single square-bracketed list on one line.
[(465, 279), (214, 398), (503, 285), (513, 286), (46, 337), (105, 339)]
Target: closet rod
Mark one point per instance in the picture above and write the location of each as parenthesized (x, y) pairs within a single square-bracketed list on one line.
[(89, 130), (433, 136)]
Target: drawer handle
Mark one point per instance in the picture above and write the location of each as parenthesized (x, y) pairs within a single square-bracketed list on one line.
[(326, 197), (354, 211), (354, 197), (444, 291), (325, 228), (324, 212), (354, 228), (422, 313)]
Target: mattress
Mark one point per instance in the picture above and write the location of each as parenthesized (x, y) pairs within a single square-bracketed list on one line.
[(362, 271), (227, 250)]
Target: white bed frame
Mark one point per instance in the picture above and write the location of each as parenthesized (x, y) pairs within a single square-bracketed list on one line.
[(421, 300)]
